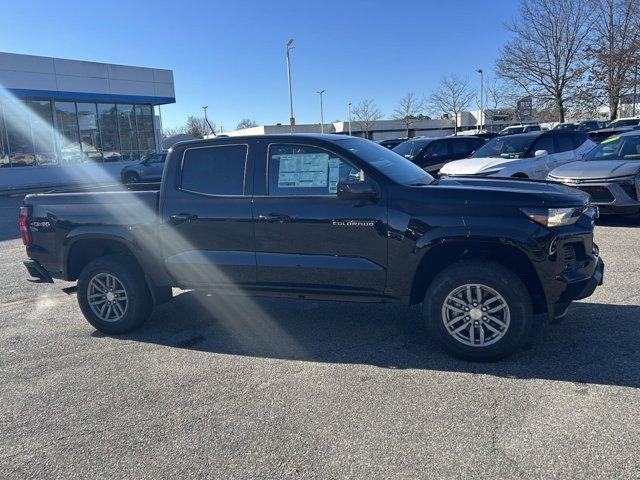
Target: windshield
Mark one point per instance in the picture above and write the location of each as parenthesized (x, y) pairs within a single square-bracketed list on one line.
[(629, 122), (505, 147), (616, 148), (410, 149), (397, 168)]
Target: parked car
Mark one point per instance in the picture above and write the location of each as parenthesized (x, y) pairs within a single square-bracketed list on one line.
[(610, 173), (566, 126), (322, 217), (525, 155), (515, 129), (616, 127), (432, 153), (589, 125), (391, 143), (149, 169)]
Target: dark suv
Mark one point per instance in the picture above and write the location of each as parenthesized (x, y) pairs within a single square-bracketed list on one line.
[(432, 153)]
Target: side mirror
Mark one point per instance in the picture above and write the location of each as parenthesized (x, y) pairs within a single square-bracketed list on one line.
[(541, 153), (355, 189)]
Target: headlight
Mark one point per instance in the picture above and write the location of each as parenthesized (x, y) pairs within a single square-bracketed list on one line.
[(554, 217)]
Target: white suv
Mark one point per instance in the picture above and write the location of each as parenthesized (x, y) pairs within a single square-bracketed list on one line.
[(514, 129), (525, 155)]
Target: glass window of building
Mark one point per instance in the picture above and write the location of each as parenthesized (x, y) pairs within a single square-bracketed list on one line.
[(108, 123), (89, 132), (41, 120), (4, 148), (146, 135), (128, 134), (18, 132), (68, 138)]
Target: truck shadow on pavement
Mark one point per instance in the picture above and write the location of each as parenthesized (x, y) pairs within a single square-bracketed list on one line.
[(595, 343)]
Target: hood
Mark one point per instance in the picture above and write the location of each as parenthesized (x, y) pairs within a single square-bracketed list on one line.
[(474, 166), (596, 169), (523, 193)]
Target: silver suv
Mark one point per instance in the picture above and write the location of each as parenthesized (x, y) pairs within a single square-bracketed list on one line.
[(610, 173)]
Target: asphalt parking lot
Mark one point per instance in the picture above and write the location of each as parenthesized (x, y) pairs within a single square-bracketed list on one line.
[(313, 389)]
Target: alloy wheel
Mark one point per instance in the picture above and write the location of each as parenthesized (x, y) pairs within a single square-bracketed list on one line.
[(476, 315), (107, 297)]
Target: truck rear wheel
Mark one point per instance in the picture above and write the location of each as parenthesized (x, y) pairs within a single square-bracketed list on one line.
[(478, 310), (113, 294)]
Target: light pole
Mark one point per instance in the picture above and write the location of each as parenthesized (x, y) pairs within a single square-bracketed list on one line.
[(321, 112), (481, 98), (635, 88), (349, 118), (292, 120), (207, 120)]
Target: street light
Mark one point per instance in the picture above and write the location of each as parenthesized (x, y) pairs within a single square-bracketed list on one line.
[(321, 112), (481, 98), (207, 120), (349, 118), (292, 120)]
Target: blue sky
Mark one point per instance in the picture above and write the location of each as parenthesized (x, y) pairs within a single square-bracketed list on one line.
[(230, 55)]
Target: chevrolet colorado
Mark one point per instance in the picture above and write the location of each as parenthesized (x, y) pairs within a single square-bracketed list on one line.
[(323, 217)]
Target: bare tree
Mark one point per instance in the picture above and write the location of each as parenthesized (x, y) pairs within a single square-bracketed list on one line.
[(452, 98), (197, 127), (246, 123), (171, 131), (614, 49), (409, 110), (366, 113), (545, 57), (497, 96)]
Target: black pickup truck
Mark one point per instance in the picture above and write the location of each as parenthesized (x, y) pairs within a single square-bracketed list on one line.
[(323, 217)]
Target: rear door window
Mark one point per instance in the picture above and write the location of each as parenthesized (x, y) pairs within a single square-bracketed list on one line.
[(564, 143), (462, 147), (215, 170)]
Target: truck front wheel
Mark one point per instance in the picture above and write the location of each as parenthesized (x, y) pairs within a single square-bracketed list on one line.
[(478, 310), (113, 294)]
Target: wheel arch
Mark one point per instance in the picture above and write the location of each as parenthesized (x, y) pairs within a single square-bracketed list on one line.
[(443, 255), (82, 247)]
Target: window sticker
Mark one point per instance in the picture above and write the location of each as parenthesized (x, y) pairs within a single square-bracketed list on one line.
[(334, 174), (305, 170)]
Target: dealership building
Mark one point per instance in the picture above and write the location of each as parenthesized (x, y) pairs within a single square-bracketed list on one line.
[(65, 122)]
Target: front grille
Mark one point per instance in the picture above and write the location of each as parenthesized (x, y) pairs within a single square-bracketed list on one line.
[(569, 254), (599, 194), (630, 189)]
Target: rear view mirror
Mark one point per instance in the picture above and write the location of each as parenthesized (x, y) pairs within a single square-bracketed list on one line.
[(355, 189), (541, 153)]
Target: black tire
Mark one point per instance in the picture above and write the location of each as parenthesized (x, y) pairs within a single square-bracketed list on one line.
[(497, 278), (131, 178), (139, 302)]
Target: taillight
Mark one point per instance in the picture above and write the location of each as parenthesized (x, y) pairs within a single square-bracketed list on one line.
[(23, 224)]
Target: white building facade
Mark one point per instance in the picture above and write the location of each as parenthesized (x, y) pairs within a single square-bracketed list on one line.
[(377, 130), (65, 121)]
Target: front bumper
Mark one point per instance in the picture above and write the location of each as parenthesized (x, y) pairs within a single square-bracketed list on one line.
[(609, 195)]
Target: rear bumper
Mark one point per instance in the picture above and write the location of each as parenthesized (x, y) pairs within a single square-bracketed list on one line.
[(37, 271)]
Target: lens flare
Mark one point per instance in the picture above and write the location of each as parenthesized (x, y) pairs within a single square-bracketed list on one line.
[(115, 206)]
